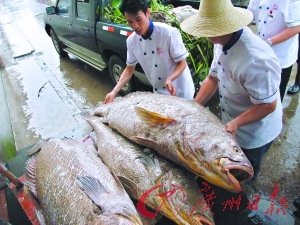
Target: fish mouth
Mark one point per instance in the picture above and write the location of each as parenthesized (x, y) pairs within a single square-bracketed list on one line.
[(129, 220), (236, 171), (203, 221)]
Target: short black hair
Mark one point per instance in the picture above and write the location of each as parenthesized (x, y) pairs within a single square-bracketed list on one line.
[(133, 6)]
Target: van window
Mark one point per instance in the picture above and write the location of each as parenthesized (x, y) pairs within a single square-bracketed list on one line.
[(83, 9), (64, 6)]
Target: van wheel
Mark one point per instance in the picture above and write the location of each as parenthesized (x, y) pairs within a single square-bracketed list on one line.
[(116, 68), (57, 44)]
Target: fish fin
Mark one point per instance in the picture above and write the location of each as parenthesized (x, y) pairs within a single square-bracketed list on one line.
[(93, 136), (145, 142), (127, 183), (40, 217), (117, 179), (149, 160), (92, 187), (85, 138), (30, 177), (152, 118)]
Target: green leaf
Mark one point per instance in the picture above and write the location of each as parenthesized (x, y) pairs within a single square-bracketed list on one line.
[(117, 12), (115, 3)]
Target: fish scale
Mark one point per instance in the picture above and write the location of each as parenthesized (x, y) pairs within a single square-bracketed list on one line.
[(182, 131)]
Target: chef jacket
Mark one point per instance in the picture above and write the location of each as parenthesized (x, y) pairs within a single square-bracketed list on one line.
[(158, 55), (272, 17), (248, 73)]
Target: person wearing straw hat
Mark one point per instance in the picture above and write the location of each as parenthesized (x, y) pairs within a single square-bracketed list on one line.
[(247, 73), (278, 24), (160, 51)]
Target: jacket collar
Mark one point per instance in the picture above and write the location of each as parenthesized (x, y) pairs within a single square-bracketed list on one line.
[(149, 32), (235, 37)]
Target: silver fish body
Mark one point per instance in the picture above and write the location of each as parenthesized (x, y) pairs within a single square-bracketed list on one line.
[(182, 131), (140, 170), (57, 169)]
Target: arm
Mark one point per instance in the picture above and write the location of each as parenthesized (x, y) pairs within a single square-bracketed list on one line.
[(285, 35), (255, 113), (125, 77), (175, 74), (208, 88)]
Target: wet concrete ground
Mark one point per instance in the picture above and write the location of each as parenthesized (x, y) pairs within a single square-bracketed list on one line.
[(46, 95)]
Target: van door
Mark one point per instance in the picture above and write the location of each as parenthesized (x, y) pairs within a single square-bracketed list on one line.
[(83, 25), (62, 22)]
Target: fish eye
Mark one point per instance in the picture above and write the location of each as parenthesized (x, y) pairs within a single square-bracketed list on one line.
[(236, 149)]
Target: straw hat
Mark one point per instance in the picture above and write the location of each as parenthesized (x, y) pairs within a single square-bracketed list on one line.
[(216, 18)]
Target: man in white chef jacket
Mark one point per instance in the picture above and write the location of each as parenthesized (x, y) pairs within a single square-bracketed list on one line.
[(160, 51), (278, 24), (247, 73)]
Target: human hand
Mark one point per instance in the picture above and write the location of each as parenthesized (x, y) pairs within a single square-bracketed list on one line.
[(109, 98), (170, 87), (231, 127)]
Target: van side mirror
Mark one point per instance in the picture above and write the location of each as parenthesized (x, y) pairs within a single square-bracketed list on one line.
[(50, 10)]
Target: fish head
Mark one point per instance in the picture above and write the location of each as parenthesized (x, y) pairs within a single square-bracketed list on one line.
[(221, 161), (179, 199), (199, 219)]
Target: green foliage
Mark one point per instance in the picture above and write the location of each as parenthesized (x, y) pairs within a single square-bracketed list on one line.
[(115, 3), (200, 50), (9, 149), (112, 13)]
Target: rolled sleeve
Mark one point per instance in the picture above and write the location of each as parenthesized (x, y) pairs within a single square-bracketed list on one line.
[(262, 80), (214, 65), (178, 51), (131, 58), (213, 69), (292, 14)]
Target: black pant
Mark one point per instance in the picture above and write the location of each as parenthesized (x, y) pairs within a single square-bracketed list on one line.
[(285, 76), (297, 80), (255, 156)]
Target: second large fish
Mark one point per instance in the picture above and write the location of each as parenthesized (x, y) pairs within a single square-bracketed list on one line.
[(182, 131), (147, 176)]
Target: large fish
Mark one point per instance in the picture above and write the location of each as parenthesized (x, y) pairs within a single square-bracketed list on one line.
[(140, 170), (182, 131), (74, 186)]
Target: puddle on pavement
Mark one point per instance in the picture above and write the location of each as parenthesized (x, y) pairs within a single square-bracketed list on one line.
[(38, 110), (87, 86), (19, 45)]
